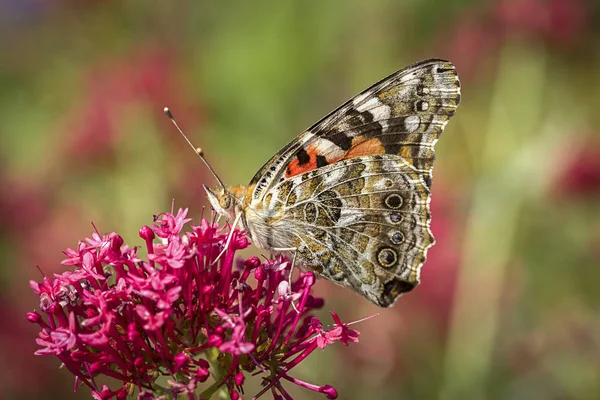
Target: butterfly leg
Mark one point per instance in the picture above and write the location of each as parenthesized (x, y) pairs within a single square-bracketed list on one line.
[(289, 293), (290, 281), (229, 237)]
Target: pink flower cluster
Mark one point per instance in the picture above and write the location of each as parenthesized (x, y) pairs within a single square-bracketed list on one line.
[(204, 323)]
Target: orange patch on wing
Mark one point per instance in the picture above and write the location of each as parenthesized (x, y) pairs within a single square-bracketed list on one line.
[(295, 168), (405, 153), (366, 148), (360, 148)]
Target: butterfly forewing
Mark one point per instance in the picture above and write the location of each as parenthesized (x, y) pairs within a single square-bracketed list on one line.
[(403, 114)]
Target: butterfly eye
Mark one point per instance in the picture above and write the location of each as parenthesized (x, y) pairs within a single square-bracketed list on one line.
[(225, 201)]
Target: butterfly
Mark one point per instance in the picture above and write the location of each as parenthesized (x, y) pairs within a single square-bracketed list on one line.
[(349, 197)]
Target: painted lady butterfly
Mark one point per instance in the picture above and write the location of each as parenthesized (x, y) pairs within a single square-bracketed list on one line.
[(349, 197)]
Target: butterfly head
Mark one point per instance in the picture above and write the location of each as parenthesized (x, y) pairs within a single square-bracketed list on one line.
[(221, 200)]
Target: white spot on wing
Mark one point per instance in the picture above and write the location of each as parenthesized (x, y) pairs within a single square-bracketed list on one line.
[(360, 98), (411, 123), (305, 136), (332, 177), (328, 149), (373, 105), (381, 113), (368, 104)]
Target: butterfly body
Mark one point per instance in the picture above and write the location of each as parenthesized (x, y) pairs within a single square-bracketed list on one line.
[(349, 197)]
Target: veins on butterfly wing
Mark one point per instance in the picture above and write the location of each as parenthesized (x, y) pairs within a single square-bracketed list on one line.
[(331, 234), (344, 182)]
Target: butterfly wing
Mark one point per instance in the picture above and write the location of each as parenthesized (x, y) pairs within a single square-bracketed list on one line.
[(362, 223), (352, 192), (403, 114)]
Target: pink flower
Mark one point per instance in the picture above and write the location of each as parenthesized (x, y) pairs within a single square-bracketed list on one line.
[(146, 77), (345, 334), (560, 22), (59, 340), (580, 177), (478, 34), (134, 320)]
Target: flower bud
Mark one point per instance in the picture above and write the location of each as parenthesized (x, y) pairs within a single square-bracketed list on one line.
[(308, 279), (147, 233), (239, 379), (34, 317), (252, 262), (329, 392), (202, 374)]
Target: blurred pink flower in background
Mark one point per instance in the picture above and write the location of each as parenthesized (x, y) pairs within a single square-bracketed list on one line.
[(58, 225), (18, 377), (477, 35), (22, 203), (146, 77), (580, 176), (443, 260), (559, 22), (470, 43)]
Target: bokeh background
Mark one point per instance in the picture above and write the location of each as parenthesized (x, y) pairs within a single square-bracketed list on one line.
[(508, 307)]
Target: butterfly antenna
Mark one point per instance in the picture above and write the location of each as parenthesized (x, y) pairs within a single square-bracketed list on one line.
[(197, 150)]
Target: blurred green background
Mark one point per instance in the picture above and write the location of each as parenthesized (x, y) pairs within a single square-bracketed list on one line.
[(509, 302)]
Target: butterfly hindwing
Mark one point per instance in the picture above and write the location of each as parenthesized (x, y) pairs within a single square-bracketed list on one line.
[(403, 114), (361, 223)]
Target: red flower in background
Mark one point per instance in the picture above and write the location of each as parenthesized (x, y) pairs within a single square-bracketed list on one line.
[(443, 261), (581, 175), (15, 345), (478, 34), (470, 42), (179, 313), (27, 213), (22, 203), (147, 77), (559, 22)]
